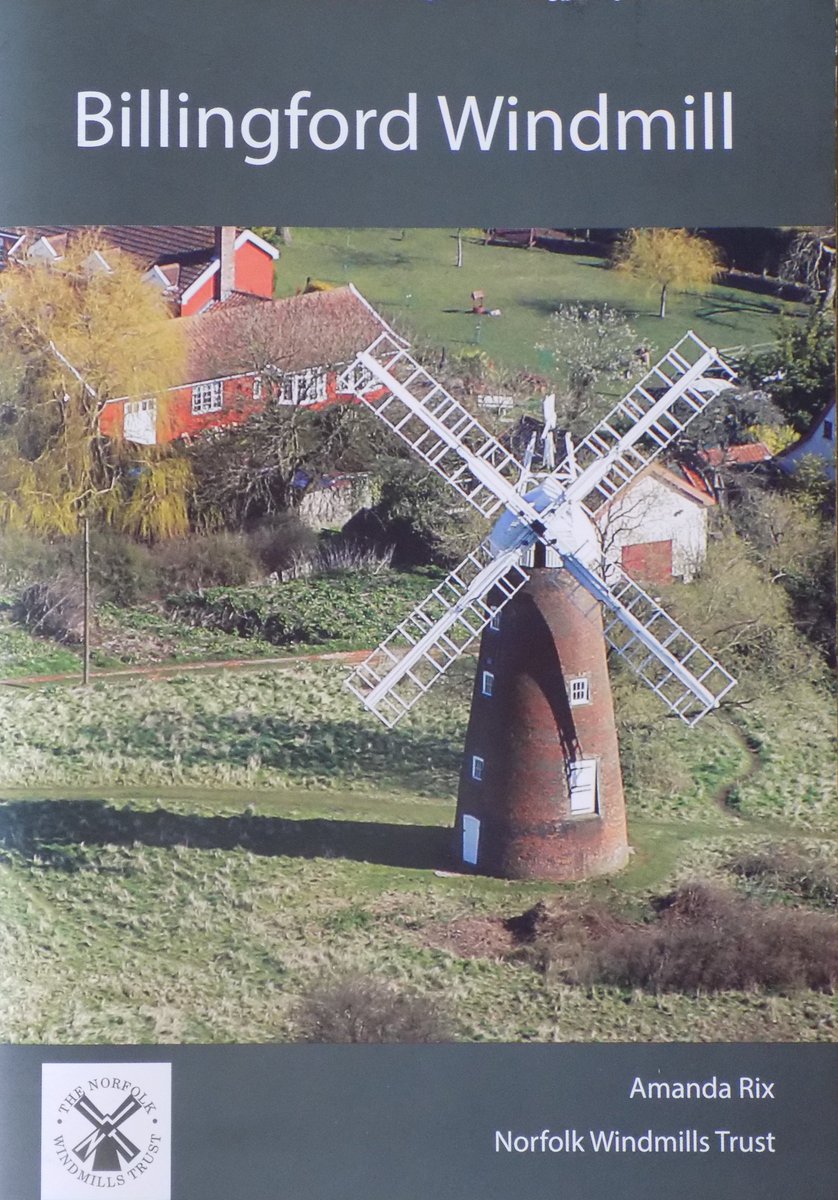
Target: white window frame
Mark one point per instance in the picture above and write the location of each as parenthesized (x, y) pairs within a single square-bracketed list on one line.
[(257, 388), (355, 380), (305, 387), (583, 786), (478, 766), (207, 397), (487, 684), (494, 624), (579, 691)]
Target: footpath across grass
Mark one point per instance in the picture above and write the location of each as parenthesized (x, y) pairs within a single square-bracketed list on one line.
[(349, 610)]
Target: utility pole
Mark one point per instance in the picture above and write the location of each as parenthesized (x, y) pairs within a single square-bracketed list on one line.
[(86, 626)]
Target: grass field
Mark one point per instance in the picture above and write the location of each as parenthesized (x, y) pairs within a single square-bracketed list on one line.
[(185, 858), (411, 275), (345, 611)]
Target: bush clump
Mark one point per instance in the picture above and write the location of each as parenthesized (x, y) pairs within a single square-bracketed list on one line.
[(208, 560), (782, 869), (353, 1008), (54, 609), (697, 939), (281, 541)]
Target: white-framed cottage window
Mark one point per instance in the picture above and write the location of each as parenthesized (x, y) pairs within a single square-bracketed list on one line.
[(305, 387), (487, 684), (257, 387), (583, 787), (579, 691), (208, 397), (477, 765), (355, 380)]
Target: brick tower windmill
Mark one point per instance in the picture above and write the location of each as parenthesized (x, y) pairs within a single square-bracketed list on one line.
[(540, 791)]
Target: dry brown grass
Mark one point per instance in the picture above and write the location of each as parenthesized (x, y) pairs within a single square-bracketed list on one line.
[(698, 939)]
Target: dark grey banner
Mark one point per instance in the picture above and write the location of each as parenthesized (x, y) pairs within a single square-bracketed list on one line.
[(417, 112), (405, 1123)]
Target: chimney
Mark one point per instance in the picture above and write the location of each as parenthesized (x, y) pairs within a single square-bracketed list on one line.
[(225, 249)]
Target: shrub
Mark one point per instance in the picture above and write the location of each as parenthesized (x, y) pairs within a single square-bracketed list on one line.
[(206, 560), (420, 517), (706, 939), (24, 558), (780, 868), (355, 1008), (696, 939), (281, 541), (54, 609), (351, 606), (338, 554), (121, 570)]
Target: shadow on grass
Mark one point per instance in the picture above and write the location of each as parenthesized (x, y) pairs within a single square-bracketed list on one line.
[(344, 750), (49, 832)]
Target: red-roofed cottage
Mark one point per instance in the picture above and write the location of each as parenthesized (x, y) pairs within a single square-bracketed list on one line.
[(242, 353)]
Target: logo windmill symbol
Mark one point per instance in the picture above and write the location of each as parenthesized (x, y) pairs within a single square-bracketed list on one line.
[(106, 1143)]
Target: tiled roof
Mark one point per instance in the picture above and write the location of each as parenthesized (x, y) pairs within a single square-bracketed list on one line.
[(186, 249), (737, 456), (151, 243), (317, 329), (688, 482)]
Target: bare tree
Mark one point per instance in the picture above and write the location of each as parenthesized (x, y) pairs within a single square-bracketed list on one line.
[(811, 261)]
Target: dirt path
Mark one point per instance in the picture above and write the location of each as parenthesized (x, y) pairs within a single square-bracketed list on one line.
[(724, 796), (165, 670)]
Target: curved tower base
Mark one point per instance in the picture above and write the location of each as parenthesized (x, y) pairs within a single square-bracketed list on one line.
[(541, 794)]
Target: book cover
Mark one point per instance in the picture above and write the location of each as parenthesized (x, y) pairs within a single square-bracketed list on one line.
[(417, 625)]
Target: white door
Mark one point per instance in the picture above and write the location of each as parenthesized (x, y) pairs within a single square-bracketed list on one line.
[(471, 839), (139, 422), (583, 786)]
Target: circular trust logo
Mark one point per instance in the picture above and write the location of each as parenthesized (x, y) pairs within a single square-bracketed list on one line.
[(116, 1119), (107, 1128)]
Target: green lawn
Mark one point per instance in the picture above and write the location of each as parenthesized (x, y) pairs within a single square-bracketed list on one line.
[(21, 653), (185, 858), (411, 275)]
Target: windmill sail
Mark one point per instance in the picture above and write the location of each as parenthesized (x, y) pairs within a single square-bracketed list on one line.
[(425, 644), (453, 442), (435, 425), (686, 677), (648, 419)]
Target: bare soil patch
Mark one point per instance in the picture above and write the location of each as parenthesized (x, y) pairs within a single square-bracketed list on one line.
[(472, 937)]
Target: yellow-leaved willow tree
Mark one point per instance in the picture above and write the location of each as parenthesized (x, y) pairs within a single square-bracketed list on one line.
[(668, 258), (76, 333)]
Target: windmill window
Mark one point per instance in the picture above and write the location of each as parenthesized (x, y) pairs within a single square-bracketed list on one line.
[(828, 430), (580, 691), (208, 397), (495, 622), (477, 766), (583, 787), (488, 685)]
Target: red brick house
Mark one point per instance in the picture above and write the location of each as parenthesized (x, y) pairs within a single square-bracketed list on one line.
[(194, 266), (241, 353)]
